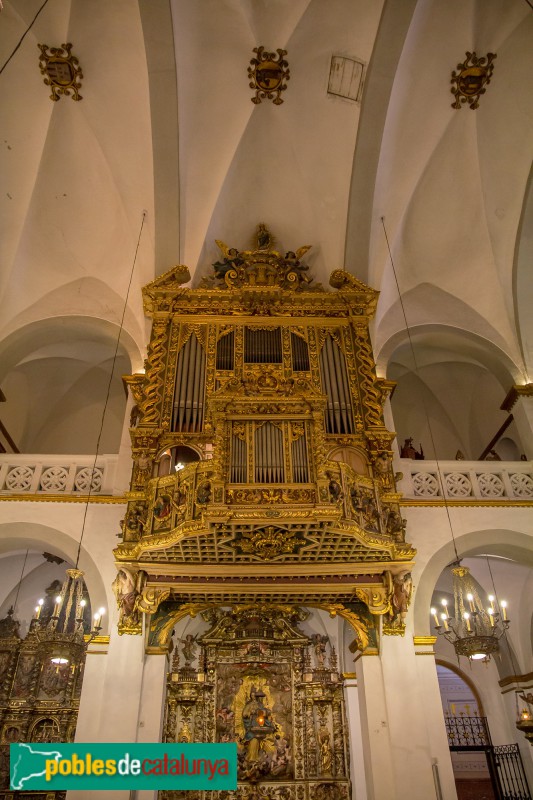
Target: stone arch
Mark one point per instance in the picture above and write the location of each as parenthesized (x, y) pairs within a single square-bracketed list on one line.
[(440, 662), (511, 544), (35, 536), (55, 375), (450, 387)]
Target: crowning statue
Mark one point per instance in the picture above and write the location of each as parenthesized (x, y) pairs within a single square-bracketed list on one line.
[(262, 266)]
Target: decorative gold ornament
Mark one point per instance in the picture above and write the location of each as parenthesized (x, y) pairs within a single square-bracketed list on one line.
[(473, 631), (269, 542), (62, 71), (471, 78), (268, 75)]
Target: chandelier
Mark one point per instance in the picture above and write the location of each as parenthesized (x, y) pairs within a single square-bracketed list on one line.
[(61, 639), (474, 631)]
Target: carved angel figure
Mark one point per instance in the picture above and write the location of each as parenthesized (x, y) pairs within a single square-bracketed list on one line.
[(125, 592), (401, 595), (189, 648)]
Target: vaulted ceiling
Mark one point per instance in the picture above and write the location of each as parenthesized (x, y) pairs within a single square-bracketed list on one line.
[(166, 126)]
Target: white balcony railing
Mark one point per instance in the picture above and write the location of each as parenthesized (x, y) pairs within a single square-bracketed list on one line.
[(56, 474), (459, 480)]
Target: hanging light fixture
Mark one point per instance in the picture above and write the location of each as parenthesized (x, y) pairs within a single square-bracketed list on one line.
[(524, 722), (62, 639), (474, 631)]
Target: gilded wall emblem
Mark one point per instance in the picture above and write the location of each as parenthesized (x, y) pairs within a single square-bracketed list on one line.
[(470, 79), (62, 71), (268, 75)]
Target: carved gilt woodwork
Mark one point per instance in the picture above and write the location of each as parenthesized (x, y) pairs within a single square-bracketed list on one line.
[(264, 510)]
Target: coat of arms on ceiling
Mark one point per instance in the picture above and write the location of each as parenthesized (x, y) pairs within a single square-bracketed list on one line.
[(268, 75), (62, 71), (470, 79)]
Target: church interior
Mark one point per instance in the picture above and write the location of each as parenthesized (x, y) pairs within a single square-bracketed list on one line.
[(266, 414)]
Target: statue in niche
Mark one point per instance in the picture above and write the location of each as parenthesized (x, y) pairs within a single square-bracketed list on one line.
[(203, 494), (334, 488), (258, 724), (135, 520), (371, 517), (382, 467), (326, 753), (319, 643), (143, 464)]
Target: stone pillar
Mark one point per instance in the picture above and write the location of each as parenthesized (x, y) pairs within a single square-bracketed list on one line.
[(152, 707), (404, 736), (357, 759), (428, 688), (416, 720), (110, 712), (376, 743)]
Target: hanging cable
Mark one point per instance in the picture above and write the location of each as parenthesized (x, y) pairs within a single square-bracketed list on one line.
[(417, 370), (121, 326), (23, 37)]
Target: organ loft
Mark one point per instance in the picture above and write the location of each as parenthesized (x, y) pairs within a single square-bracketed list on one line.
[(262, 494)]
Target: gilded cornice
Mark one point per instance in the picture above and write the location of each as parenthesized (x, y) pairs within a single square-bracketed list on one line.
[(64, 498), (469, 503)]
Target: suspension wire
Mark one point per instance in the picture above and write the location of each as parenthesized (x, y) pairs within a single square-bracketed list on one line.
[(417, 370), (20, 581), (111, 374), (23, 37)]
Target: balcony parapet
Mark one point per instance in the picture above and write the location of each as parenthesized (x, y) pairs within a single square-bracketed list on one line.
[(56, 474), (461, 480)]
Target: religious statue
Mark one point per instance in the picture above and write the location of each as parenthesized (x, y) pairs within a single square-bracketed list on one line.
[(125, 591), (189, 648), (408, 451), (135, 415), (264, 237), (319, 643), (382, 468), (135, 520), (401, 595), (143, 463), (326, 753), (231, 260), (257, 722), (335, 491), (203, 494)]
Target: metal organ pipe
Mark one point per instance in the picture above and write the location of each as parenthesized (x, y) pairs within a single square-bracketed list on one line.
[(339, 417), (190, 386), (268, 445)]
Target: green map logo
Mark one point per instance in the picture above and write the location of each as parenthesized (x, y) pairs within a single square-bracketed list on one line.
[(53, 767), (29, 763)]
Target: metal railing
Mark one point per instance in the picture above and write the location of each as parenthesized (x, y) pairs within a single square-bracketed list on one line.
[(458, 480)]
